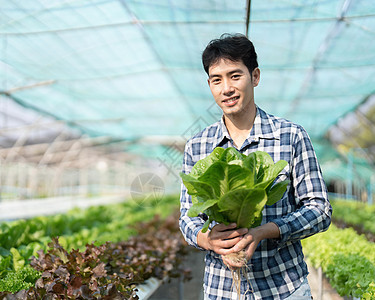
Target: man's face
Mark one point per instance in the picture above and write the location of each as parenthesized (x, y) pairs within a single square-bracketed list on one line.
[(232, 86)]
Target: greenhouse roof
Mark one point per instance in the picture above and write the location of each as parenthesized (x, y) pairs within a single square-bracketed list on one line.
[(131, 69)]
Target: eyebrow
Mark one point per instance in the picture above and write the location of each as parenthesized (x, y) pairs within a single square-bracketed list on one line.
[(229, 73)]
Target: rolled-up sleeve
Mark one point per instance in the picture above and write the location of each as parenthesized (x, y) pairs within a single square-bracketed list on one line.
[(313, 213), (189, 227)]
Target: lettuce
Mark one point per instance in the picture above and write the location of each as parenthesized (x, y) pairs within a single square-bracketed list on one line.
[(230, 187)]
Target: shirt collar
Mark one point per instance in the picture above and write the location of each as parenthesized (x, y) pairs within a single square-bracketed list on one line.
[(263, 127), (222, 134)]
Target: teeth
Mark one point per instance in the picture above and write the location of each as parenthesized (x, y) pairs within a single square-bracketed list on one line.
[(231, 99)]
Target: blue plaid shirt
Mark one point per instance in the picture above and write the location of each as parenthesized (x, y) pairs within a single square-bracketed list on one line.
[(277, 267)]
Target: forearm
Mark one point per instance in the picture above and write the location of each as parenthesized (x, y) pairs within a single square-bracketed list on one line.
[(304, 222), (268, 231), (256, 235), (189, 228), (312, 211), (202, 240)]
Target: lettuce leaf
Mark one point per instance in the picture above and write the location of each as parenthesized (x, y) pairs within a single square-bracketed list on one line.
[(230, 187), (243, 206)]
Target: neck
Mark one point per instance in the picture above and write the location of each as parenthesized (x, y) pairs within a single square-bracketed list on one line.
[(239, 126), (241, 122)]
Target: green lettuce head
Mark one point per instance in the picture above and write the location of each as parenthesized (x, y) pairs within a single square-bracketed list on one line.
[(230, 187)]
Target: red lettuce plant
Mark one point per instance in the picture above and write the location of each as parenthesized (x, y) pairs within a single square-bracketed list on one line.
[(112, 270)]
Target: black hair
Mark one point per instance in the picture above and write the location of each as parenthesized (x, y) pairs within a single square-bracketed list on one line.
[(235, 47)]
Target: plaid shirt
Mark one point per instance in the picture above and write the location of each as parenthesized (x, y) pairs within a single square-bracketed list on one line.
[(277, 267)]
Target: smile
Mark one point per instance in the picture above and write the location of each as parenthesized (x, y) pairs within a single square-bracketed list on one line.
[(230, 101)]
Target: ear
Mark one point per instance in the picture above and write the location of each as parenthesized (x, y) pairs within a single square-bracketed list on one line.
[(255, 77)]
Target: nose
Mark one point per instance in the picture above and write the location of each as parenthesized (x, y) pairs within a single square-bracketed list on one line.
[(227, 88)]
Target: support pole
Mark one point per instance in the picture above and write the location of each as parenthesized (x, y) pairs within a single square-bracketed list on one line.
[(349, 179), (180, 289), (248, 10), (320, 279)]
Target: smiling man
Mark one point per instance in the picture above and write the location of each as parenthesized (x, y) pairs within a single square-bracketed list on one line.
[(232, 86), (275, 264)]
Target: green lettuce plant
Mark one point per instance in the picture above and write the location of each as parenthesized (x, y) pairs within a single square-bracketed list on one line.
[(232, 187)]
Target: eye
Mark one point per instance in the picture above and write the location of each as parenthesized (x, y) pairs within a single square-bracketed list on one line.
[(215, 81), (236, 76)]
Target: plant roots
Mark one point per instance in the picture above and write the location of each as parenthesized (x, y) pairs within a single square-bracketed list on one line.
[(239, 258)]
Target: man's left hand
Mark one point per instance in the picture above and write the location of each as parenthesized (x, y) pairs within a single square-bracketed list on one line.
[(250, 242)]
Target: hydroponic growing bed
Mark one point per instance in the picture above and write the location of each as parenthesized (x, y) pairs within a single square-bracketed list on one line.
[(346, 256), (102, 252)]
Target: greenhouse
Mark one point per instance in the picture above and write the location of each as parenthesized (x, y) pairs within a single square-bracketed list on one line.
[(98, 99)]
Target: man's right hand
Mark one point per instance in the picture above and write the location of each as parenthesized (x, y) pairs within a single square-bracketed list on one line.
[(221, 239)]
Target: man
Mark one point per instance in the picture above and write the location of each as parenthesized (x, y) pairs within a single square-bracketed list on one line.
[(276, 268)]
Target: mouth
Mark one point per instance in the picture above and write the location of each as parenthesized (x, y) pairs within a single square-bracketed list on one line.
[(231, 101)]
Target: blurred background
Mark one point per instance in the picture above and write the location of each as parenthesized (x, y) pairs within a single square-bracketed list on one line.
[(98, 98), (96, 94)]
